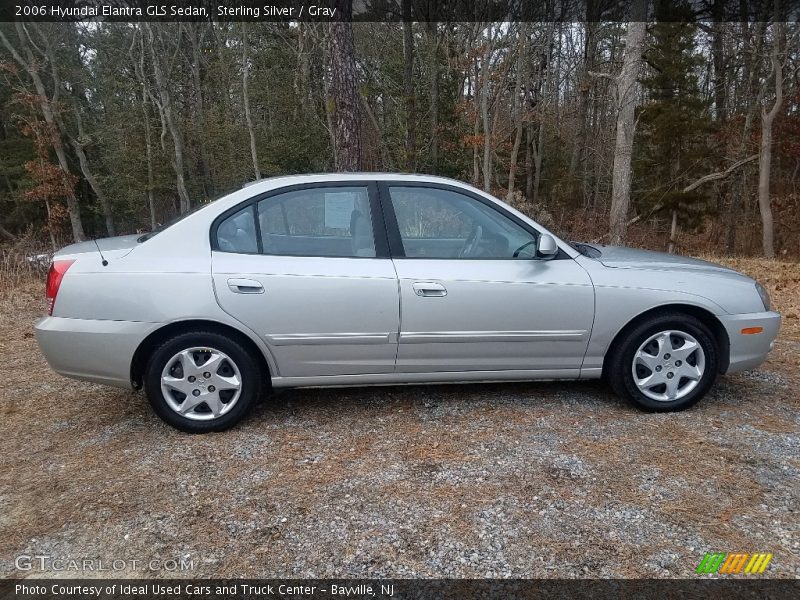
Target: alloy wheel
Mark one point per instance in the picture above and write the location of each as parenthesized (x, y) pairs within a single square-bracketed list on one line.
[(668, 365), (201, 383)]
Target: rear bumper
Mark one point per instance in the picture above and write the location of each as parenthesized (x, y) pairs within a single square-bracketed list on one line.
[(747, 351), (91, 350)]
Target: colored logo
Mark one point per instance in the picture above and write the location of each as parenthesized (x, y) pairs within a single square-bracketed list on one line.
[(732, 563)]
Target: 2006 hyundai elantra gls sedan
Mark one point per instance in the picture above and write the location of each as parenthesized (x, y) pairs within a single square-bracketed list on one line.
[(356, 279)]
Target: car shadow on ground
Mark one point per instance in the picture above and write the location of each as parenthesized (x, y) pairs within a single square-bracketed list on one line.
[(464, 395)]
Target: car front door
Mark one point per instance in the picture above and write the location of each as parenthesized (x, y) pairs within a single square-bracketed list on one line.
[(473, 294), (303, 268)]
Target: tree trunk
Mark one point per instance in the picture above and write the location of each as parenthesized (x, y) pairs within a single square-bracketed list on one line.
[(208, 184), (138, 67), (528, 160), (31, 67), (626, 124), (584, 86), (752, 100), (78, 145), (487, 128), (765, 156), (537, 163), (550, 88), (50, 232), (343, 89), (433, 40), (718, 52), (303, 77), (408, 88), (476, 125), (519, 103), (246, 100), (673, 232), (151, 205), (169, 117)]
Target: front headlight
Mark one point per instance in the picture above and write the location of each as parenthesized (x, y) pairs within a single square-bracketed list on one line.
[(764, 295)]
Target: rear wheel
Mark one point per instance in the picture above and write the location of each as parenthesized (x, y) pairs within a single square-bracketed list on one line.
[(202, 381), (666, 363)]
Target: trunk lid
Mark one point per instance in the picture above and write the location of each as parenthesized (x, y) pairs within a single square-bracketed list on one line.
[(112, 247)]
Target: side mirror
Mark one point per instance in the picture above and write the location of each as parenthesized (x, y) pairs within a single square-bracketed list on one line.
[(546, 248)]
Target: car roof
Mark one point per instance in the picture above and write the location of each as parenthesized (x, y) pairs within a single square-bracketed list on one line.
[(271, 182)]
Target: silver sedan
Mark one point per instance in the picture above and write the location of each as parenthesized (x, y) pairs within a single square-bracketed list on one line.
[(362, 279)]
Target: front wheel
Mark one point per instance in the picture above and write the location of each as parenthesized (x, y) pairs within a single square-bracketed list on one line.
[(202, 381), (666, 363)]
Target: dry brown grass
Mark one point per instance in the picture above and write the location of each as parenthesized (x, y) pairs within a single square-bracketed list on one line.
[(17, 269), (404, 480)]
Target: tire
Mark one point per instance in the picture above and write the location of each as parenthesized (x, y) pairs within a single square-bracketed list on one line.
[(640, 373), (191, 381)]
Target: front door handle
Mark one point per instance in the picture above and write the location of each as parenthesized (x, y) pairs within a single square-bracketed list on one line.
[(245, 286), (429, 289)]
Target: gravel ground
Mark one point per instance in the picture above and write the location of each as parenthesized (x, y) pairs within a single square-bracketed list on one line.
[(513, 480)]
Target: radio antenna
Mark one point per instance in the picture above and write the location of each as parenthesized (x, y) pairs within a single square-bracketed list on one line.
[(103, 258)]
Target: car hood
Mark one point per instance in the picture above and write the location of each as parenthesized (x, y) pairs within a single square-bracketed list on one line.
[(630, 258)]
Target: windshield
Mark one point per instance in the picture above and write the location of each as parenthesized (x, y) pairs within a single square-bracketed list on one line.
[(586, 249)]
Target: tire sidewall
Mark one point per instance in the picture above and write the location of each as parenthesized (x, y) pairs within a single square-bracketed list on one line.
[(685, 324), (248, 369)]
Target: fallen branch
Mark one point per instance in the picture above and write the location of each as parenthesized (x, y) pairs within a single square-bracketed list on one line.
[(7, 234), (719, 175), (692, 186)]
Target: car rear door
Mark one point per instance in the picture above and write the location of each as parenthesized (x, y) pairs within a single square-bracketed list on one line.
[(307, 268), (483, 309)]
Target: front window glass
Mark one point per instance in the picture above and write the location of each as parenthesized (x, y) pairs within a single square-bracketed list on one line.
[(436, 223)]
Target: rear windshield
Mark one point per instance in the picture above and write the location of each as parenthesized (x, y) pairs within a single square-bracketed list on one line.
[(170, 223)]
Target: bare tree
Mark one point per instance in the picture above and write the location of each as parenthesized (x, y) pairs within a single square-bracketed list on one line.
[(518, 104), (246, 100), (483, 89), (25, 58), (194, 32), (408, 88), (79, 143), (544, 93), (718, 54), (141, 76), (344, 91), (626, 124), (432, 30), (751, 96), (585, 85), (156, 55), (765, 154)]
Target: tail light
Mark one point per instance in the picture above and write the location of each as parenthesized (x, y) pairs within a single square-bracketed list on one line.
[(54, 277)]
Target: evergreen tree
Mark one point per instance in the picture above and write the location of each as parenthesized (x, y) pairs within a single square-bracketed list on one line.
[(674, 117)]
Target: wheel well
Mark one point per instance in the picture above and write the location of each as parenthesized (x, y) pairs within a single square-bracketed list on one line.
[(156, 338), (701, 314)]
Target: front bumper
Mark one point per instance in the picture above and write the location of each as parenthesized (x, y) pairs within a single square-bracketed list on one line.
[(92, 350), (747, 351)]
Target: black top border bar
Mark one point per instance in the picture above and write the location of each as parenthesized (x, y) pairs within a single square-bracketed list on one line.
[(393, 10)]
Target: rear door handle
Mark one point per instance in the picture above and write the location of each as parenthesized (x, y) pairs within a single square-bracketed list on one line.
[(245, 286), (429, 289)]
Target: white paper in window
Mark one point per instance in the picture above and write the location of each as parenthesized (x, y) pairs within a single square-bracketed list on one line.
[(338, 209)]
